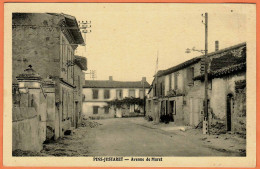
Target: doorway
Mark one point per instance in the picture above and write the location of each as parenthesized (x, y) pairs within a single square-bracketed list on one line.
[(230, 101), (172, 109)]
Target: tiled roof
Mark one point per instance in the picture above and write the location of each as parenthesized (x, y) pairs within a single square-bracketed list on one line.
[(241, 67), (197, 59), (114, 84), (81, 62), (179, 66), (227, 60)]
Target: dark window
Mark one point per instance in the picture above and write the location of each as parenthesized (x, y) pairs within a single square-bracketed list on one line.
[(107, 94), (161, 89), (131, 92), (190, 76), (119, 94), (170, 82), (95, 94), (175, 81), (95, 109), (155, 91), (210, 85), (106, 109), (172, 107)]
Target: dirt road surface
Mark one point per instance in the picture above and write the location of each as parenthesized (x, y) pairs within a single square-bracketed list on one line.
[(128, 137)]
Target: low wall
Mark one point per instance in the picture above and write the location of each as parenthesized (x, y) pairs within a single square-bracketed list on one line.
[(26, 135)]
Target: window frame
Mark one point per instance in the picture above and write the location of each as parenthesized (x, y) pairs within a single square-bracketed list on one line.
[(93, 93), (133, 90), (106, 108), (120, 93), (95, 108), (108, 97)]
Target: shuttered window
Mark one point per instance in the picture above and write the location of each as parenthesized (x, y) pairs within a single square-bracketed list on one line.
[(106, 94), (95, 94), (95, 109), (131, 93)]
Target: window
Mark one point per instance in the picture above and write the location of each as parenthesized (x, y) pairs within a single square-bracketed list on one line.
[(72, 68), (119, 94), (155, 90), (141, 93), (67, 62), (106, 109), (63, 53), (131, 92), (172, 109), (210, 85), (190, 76), (175, 81), (170, 82), (161, 89), (95, 94), (79, 86), (106, 94), (95, 109)]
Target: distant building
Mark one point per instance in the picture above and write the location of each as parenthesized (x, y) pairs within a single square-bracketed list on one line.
[(178, 92), (99, 92), (47, 42)]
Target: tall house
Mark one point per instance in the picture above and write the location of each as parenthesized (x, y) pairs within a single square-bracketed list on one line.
[(99, 92), (47, 41)]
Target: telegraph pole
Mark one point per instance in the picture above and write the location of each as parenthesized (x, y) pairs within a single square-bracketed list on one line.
[(206, 120), (144, 98)]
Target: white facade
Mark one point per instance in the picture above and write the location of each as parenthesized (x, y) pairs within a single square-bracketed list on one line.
[(101, 102)]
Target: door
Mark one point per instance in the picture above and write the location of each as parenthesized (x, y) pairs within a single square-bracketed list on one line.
[(229, 111), (76, 114), (194, 112), (166, 108), (172, 109)]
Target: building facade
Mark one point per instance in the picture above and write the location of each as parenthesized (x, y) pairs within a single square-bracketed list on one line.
[(47, 41), (98, 93), (177, 93)]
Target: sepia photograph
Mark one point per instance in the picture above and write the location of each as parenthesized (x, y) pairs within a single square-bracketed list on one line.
[(130, 82)]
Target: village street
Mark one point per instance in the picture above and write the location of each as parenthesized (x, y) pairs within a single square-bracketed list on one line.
[(137, 137)]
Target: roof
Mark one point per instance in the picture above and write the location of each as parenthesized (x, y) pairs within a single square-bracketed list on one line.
[(72, 22), (228, 59), (241, 67), (81, 62), (197, 59), (179, 66), (228, 63), (115, 84)]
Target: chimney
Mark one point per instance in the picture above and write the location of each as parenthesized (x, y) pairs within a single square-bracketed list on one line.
[(143, 79), (216, 46), (111, 78)]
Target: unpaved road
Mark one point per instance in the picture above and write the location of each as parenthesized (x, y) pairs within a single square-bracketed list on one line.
[(124, 137)]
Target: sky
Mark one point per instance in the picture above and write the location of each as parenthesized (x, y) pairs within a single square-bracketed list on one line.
[(126, 38)]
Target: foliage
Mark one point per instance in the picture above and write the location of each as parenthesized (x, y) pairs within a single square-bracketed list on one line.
[(126, 101)]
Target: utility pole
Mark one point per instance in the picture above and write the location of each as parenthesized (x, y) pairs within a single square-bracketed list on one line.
[(144, 98), (92, 74), (206, 120)]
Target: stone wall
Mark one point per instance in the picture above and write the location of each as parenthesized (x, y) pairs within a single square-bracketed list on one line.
[(25, 133), (239, 116), (33, 110)]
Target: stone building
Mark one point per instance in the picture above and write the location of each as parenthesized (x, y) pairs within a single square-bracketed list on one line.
[(79, 81), (178, 92), (99, 92), (47, 41)]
